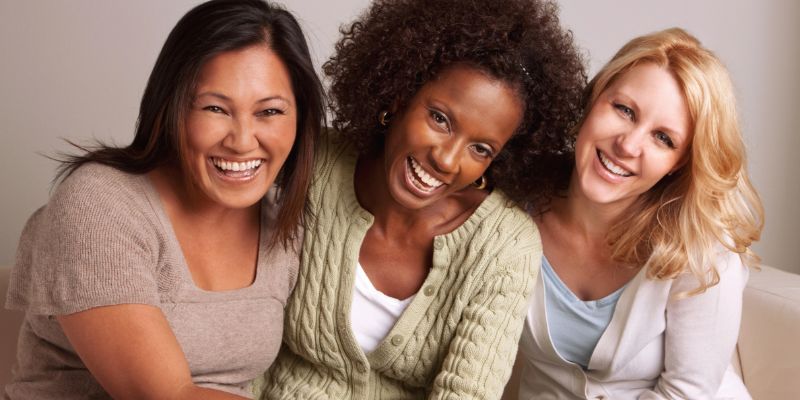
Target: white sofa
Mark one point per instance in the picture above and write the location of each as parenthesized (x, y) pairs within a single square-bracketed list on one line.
[(767, 355)]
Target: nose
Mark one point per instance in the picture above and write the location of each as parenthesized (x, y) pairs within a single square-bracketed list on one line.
[(446, 156), (629, 144), (241, 137)]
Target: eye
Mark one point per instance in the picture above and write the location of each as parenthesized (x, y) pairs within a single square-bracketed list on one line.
[(483, 150), (214, 109), (270, 112), (664, 138), (439, 119), (626, 111)]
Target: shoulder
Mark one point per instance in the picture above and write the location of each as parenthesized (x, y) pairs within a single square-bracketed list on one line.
[(509, 222), (727, 265), (334, 164), (94, 183), (95, 242), (332, 148), (505, 232), (99, 198)]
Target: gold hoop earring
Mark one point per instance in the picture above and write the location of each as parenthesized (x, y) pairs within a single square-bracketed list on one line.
[(480, 184), (384, 118)]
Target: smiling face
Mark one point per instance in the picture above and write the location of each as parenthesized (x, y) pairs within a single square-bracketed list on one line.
[(240, 126), (448, 135), (637, 131)]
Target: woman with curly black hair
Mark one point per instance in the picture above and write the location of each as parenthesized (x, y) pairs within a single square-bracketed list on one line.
[(416, 266)]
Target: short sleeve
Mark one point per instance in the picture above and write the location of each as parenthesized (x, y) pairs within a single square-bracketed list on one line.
[(92, 245)]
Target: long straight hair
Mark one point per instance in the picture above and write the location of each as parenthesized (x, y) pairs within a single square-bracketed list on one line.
[(205, 31), (679, 223)]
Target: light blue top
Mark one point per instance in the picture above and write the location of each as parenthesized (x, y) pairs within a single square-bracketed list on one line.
[(575, 325)]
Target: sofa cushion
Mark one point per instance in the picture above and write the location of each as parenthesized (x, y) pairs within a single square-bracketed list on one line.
[(769, 340)]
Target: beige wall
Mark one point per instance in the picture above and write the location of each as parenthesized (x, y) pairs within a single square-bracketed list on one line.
[(76, 69)]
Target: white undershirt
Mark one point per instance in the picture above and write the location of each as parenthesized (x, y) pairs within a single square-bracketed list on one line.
[(372, 314)]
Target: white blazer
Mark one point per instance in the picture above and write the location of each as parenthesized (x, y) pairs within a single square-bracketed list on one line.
[(655, 347)]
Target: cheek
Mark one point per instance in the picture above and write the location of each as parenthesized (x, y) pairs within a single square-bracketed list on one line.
[(279, 137), (202, 134), (582, 148), (661, 166), (475, 169)]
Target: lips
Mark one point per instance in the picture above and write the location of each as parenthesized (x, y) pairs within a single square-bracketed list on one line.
[(236, 169), (420, 179), (611, 167)]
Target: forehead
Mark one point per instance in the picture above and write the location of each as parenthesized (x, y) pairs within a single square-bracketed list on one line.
[(475, 99), (461, 80), (250, 69)]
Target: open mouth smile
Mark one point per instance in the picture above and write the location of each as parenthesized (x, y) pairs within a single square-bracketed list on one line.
[(236, 169), (610, 166), (418, 177)]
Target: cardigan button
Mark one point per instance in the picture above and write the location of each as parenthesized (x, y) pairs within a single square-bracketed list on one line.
[(429, 290), (438, 243), (397, 340)]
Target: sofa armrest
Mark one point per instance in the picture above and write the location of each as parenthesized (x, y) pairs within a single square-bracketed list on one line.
[(769, 339)]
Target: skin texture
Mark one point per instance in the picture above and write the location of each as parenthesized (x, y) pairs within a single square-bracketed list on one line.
[(452, 128), (216, 221), (632, 123)]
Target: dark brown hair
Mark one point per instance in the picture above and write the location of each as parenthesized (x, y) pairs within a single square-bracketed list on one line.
[(397, 46), (209, 29)]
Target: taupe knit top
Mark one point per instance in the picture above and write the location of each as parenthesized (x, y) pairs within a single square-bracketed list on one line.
[(104, 239)]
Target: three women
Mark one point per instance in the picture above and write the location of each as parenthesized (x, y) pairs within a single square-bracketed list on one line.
[(416, 268)]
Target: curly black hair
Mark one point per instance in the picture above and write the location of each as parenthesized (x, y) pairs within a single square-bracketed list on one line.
[(397, 46)]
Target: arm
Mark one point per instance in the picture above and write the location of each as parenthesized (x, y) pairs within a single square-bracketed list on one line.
[(96, 270), (701, 334), (132, 352), (482, 353)]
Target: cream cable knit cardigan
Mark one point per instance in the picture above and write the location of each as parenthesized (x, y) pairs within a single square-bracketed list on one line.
[(458, 337)]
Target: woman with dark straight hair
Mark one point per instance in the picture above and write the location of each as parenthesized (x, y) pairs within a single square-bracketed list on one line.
[(152, 265)]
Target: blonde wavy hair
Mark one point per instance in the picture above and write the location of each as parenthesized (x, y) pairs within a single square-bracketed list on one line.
[(677, 225)]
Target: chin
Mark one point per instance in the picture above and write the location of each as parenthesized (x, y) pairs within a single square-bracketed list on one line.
[(237, 199), (240, 202)]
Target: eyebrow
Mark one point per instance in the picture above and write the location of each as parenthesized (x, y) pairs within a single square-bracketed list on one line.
[(226, 98)]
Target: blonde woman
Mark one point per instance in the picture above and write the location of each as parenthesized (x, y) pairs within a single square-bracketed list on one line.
[(646, 255)]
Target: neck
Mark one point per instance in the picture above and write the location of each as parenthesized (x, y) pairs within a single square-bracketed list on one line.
[(591, 219), (183, 201), (372, 193)]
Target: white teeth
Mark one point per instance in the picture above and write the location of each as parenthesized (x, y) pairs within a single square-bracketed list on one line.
[(614, 168), (235, 166), (424, 176)]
